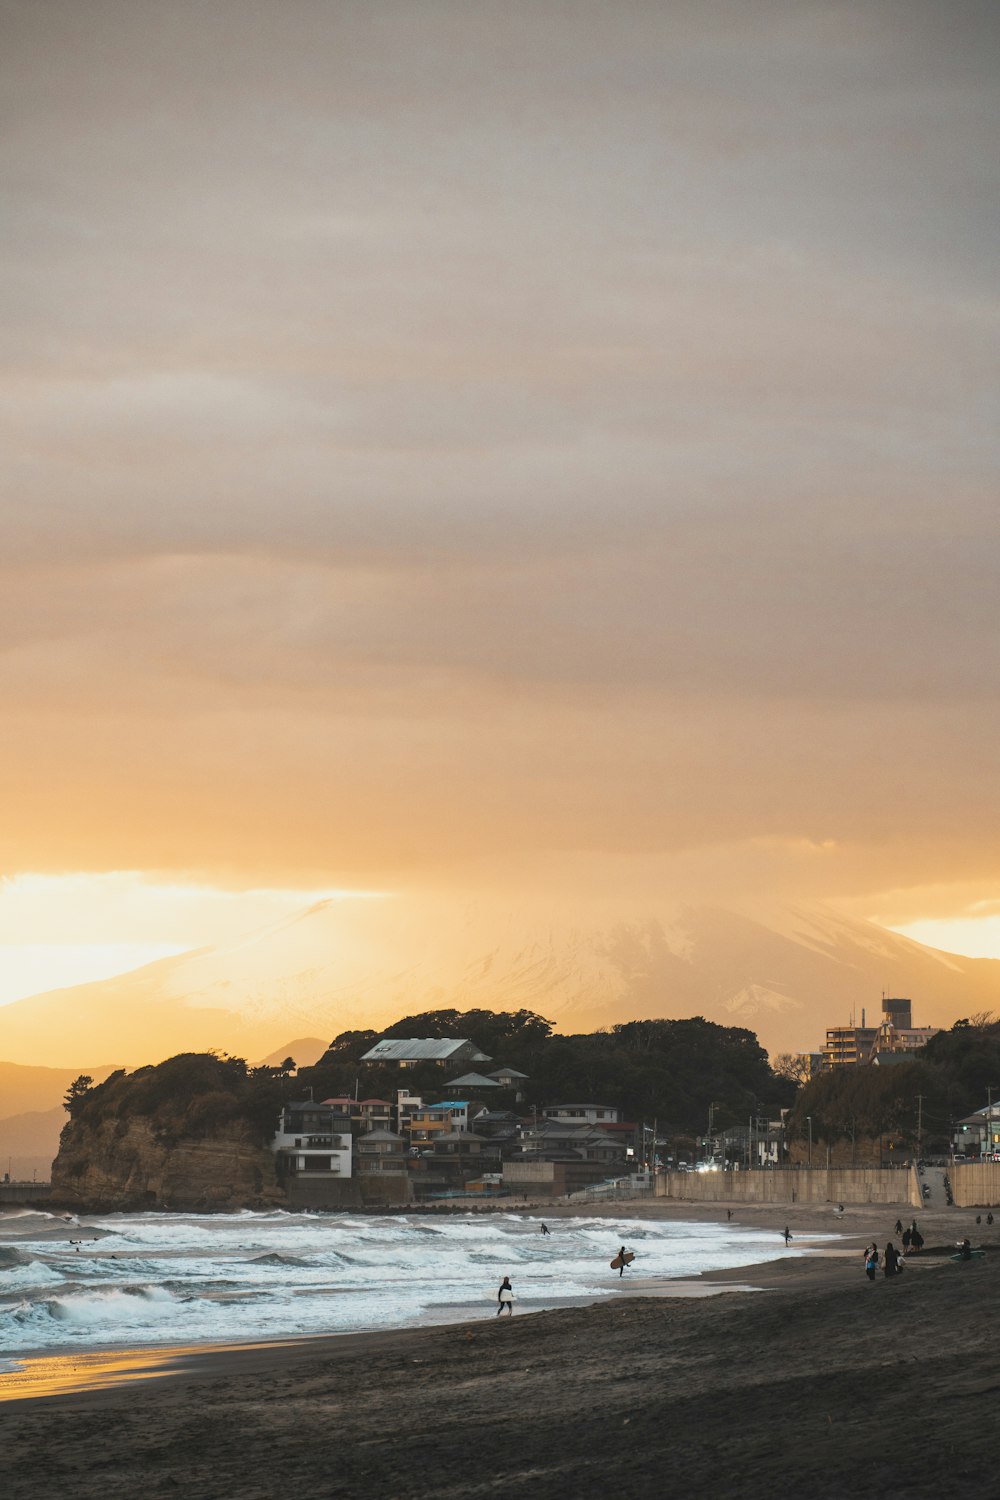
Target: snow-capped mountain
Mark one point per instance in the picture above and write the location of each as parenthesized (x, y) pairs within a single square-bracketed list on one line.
[(364, 962)]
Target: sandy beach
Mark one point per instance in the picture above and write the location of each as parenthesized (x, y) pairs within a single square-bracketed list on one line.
[(819, 1384)]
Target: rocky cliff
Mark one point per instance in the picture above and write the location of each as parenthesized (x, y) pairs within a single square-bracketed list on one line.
[(130, 1164)]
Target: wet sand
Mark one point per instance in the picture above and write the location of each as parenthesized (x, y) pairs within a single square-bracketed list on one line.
[(820, 1384)]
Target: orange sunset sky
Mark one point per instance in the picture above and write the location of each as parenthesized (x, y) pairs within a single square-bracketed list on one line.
[(495, 446)]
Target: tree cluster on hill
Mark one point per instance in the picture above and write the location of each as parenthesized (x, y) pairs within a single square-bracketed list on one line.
[(669, 1070), (188, 1096)]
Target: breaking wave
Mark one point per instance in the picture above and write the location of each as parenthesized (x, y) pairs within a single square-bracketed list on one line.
[(171, 1278)]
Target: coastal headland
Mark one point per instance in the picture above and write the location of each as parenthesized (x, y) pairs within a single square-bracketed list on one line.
[(819, 1383)]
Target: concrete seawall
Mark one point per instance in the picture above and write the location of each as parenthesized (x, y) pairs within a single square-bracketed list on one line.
[(976, 1184), (23, 1194), (817, 1185)]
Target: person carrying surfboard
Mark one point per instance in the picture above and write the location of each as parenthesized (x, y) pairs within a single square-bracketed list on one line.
[(623, 1262), (505, 1297)]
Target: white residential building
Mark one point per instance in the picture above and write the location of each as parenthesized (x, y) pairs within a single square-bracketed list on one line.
[(313, 1140)]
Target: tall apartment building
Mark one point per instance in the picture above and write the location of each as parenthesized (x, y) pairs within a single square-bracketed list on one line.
[(850, 1046)]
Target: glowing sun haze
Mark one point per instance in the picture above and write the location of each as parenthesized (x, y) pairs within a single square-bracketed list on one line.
[(452, 443)]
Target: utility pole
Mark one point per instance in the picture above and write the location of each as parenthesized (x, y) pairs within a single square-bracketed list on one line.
[(809, 1122), (920, 1109)]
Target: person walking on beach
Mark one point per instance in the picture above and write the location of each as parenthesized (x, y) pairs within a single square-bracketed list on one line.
[(989, 1218), (899, 1226), (505, 1297), (622, 1252), (788, 1235), (890, 1260), (729, 1214), (871, 1261)]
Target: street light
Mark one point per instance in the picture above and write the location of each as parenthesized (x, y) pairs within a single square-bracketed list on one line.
[(809, 1122)]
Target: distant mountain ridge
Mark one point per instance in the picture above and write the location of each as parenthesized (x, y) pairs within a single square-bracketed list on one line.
[(32, 1114), (787, 974)]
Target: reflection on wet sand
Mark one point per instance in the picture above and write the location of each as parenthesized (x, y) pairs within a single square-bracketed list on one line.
[(56, 1375)]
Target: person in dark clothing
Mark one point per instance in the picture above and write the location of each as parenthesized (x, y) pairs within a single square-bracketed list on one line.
[(916, 1239), (890, 1260), (621, 1262), (906, 1240), (899, 1226), (989, 1218), (788, 1235), (546, 1229), (965, 1250), (505, 1297)]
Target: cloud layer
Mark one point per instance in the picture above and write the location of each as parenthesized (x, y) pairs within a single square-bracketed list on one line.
[(440, 433)]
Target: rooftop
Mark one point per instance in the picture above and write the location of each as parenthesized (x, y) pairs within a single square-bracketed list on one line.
[(581, 1106), (422, 1049)]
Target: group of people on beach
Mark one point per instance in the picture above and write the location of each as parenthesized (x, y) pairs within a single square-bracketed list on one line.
[(891, 1259)]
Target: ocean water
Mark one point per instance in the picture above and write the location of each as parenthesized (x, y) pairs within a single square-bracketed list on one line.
[(94, 1283)]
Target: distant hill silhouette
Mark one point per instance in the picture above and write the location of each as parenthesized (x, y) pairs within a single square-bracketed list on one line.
[(29, 1142), (31, 1114), (305, 1051)]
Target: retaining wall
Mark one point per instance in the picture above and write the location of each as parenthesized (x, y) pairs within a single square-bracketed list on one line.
[(807, 1185), (551, 1179), (975, 1184), (369, 1190), (23, 1194)]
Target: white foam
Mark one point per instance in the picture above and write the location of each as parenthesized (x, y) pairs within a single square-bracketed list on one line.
[(161, 1278)]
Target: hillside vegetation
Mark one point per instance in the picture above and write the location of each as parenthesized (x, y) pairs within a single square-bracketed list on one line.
[(187, 1097), (669, 1070), (672, 1071), (910, 1102)]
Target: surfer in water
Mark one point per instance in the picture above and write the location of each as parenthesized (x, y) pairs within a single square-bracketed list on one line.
[(788, 1234), (505, 1297), (546, 1229)]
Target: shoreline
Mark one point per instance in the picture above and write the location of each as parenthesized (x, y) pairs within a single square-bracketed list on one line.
[(45, 1376), (826, 1385)]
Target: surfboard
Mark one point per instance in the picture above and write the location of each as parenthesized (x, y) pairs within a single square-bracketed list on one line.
[(622, 1260), (973, 1255)]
